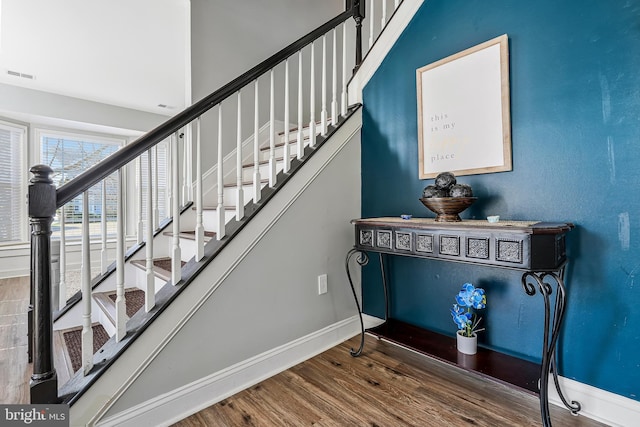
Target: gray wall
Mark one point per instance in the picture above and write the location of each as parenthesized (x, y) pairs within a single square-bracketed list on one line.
[(231, 38), (64, 111), (271, 297)]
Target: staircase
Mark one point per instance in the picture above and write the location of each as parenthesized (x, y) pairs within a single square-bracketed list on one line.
[(208, 209), (104, 294)]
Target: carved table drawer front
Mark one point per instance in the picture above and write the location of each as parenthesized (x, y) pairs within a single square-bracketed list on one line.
[(509, 245)]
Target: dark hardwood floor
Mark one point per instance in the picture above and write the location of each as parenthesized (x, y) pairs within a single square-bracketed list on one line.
[(15, 371), (386, 386)]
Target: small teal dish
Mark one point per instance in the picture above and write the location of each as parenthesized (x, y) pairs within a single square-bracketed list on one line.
[(405, 216)]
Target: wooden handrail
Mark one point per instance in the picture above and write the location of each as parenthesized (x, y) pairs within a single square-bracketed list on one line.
[(95, 174)]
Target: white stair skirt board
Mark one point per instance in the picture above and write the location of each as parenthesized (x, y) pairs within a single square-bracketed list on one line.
[(603, 406), (180, 403)]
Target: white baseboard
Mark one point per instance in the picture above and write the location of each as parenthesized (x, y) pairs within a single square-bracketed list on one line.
[(600, 405), (171, 407)]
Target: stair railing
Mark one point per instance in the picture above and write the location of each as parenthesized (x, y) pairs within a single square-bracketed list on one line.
[(183, 153)]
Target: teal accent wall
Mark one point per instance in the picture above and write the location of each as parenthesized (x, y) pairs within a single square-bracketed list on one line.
[(575, 113)]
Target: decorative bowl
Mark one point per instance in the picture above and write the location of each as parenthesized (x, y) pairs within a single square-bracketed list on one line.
[(448, 208)]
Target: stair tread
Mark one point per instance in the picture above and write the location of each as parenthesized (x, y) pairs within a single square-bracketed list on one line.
[(215, 208), (161, 266), (191, 234), (264, 162), (72, 338), (295, 129), (281, 143), (245, 183), (133, 300)]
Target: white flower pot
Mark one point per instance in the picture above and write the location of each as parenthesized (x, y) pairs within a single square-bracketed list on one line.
[(467, 345)]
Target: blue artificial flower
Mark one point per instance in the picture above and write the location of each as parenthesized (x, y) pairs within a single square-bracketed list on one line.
[(471, 298), (460, 317)]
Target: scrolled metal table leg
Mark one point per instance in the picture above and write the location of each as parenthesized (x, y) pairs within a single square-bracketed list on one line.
[(561, 298), (362, 259), (550, 338)]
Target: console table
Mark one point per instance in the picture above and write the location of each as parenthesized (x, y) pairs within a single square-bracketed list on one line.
[(535, 248)]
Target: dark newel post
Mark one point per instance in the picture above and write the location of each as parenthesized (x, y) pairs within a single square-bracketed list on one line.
[(42, 208), (358, 15)]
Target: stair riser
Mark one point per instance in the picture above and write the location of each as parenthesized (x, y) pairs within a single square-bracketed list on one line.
[(188, 249), (141, 279), (210, 218), (230, 195)]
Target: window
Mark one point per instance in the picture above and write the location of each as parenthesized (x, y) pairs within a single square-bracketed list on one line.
[(160, 182), (13, 181), (69, 155)]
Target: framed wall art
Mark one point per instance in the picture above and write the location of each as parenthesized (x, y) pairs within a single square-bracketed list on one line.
[(464, 124)]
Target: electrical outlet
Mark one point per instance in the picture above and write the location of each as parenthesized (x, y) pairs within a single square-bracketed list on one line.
[(322, 284)]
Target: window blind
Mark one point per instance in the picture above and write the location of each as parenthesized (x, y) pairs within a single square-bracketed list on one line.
[(13, 179)]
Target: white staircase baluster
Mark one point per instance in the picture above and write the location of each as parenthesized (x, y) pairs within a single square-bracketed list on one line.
[(156, 174), (149, 291), (220, 232), (199, 221), (287, 119), (256, 145), (334, 80), (140, 233), (383, 21), (343, 103), (121, 311), (372, 13), (176, 256), (323, 112), (169, 174), (272, 129), (239, 189), (187, 161), (62, 287), (87, 332), (103, 229), (300, 139), (312, 98)]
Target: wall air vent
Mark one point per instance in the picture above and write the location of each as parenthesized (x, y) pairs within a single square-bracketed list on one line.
[(19, 74), (168, 107)]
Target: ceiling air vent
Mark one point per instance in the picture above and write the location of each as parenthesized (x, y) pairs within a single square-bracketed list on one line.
[(19, 74)]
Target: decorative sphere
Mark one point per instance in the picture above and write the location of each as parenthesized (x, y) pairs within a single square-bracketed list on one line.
[(445, 180), (433, 191), (460, 190)]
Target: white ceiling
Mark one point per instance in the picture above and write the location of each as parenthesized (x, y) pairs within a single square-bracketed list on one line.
[(129, 53)]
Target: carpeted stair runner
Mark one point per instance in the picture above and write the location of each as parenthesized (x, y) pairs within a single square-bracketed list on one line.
[(134, 300), (165, 263), (73, 341)]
